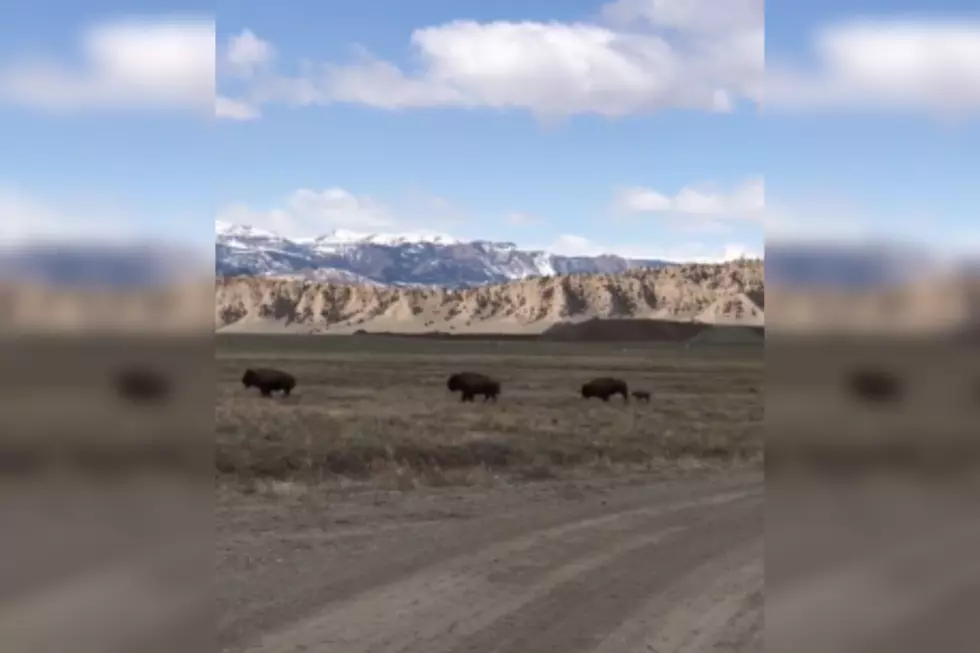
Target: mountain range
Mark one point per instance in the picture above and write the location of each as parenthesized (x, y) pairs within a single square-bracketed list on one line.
[(729, 293), (397, 259)]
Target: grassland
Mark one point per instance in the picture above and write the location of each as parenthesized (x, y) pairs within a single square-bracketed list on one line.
[(377, 409)]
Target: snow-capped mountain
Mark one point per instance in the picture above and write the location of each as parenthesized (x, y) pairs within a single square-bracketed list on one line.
[(395, 259)]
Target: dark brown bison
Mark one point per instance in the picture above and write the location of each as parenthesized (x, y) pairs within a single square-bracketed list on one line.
[(470, 384), (641, 395), (605, 387), (872, 385), (142, 384), (268, 380)]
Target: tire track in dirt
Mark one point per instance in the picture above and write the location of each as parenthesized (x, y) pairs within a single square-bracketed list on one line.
[(718, 605), (876, 601), (582, 612), (538, 590), (120, 607), (280, 563)]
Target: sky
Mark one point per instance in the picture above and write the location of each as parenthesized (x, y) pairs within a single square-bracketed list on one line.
[(678, 129)]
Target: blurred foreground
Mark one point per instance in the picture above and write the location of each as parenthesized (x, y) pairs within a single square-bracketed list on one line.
[(106, 413), (872, 485)]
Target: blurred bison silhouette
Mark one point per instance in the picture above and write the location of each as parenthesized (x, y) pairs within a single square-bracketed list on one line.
[(143, 385), (875, 386)]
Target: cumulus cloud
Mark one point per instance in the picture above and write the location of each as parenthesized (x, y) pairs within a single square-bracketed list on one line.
[(693, 252), (225, 107), (246, 54), (133, 63), (880, 64), (520, 219), (642, 56), (27, 217), (698, 207), (308, 212)]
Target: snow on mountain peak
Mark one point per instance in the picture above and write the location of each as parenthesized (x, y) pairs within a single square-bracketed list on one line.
[(424, 258), (345, 236), (229, 230)]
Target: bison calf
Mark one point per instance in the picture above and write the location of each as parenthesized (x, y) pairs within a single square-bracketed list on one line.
[(641, 395), (269, 380), (470, 384), (604, 388)]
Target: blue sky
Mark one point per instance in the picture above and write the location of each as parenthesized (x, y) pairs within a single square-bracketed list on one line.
[(103, 170), (574, 126)]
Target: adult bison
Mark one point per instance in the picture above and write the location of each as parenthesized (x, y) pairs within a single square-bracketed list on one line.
[(141, 384), (874, 385), (470, 384), (268, 380), (605, 387)]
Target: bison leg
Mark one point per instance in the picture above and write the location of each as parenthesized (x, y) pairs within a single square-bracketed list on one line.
[(285, 392), (467, 397), (266, 392), (605, 398)]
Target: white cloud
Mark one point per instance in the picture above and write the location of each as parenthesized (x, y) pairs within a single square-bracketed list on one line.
[(308, 213), (884, 64), (820, 216), (143, 63), (825, 219), (225, 107), (701, 16), (700, 208), (246, 54), (520, 219), (572, 245), (26, 217), (694, 252), (645, 56)]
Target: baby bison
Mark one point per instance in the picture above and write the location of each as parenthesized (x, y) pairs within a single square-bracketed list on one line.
[(641, 395), (269, 380)]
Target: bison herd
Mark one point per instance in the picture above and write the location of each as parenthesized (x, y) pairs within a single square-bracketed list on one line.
[(469, 384)]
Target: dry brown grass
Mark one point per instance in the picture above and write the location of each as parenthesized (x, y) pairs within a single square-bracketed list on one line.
[(370, 410), (815, 419)]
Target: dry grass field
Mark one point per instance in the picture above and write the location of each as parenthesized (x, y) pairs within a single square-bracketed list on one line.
[(372, 510), (378, 409)]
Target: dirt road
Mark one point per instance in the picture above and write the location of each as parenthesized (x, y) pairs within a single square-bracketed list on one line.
[(669, 565), (874, 563)]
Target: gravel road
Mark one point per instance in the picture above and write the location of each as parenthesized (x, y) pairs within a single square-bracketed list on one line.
[(603, 567)]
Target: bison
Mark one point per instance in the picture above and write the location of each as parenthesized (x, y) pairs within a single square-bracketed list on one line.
[(605, 387), (874, 385), (142, 384), (268, 380), (471, 384), (641, 395)]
